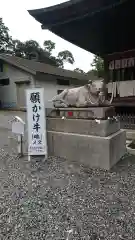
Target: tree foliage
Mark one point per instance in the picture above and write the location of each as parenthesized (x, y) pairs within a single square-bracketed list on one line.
[(62, 57), (79, 70), (25, 49), (66, 57), (49, 46), (5, 39), (18, 48), (31, 49), (98, 66)]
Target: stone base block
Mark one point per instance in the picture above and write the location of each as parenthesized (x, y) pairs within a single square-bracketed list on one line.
[(83, 126), (84, 113), (92, 151)]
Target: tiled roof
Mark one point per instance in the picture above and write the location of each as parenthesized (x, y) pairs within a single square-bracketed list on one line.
[(33, 67)]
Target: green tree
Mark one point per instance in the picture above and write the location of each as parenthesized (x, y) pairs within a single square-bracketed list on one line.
[(18, 48), (5, 39), (49, 46), (31, 49), (25, 49), (98, 66), (65, 57), (31, 46), (62, 57), (79, 70)]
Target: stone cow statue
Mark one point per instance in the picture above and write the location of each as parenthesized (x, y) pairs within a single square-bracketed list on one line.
[(83, 96)]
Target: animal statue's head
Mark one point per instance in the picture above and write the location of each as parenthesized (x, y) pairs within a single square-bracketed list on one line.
[(92, 88), (96, 87)]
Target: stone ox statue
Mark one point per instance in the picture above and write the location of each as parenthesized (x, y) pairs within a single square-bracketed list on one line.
[(84, 96)]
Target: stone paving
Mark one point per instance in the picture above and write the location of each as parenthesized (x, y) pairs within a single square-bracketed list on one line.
[(61, 200)]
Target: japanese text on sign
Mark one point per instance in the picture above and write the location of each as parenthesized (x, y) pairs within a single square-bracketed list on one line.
[(36, 122), (35, 99)]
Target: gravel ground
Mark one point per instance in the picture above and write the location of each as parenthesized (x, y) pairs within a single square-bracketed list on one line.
[(59, 200)]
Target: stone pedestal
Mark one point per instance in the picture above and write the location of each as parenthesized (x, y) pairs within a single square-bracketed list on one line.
[(93, 142), (84, 113), (103, 128)]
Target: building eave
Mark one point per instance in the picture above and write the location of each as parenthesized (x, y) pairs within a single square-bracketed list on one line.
[(6, 60), (35, 68), (70, 10), (97, 27), (51, 8), (67, 74)]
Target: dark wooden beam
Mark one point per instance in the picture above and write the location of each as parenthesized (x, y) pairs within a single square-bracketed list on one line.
[(98, 27)]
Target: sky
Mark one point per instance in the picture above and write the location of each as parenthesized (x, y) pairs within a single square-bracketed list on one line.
[(24, 27)]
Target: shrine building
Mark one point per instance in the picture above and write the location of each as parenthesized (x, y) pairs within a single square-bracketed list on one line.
[(104, 28)]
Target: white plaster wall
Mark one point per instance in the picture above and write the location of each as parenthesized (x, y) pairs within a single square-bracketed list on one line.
[(8, 95), (50, 89)]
